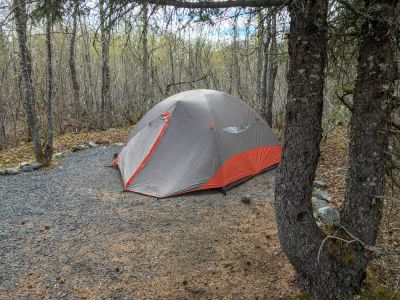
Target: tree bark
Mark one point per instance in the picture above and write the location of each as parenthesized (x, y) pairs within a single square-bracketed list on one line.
[(370, 122), (300, 236), (48, 150), (146, 102), (260, 43), (72, 64), (105, 69), (272, 71), (89, 99), (264, 74), (20, 16), (3, 138)]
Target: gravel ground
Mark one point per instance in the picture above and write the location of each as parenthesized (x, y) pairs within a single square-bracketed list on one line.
[(69, 233)]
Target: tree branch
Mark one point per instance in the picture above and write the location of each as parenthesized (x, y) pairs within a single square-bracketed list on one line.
[(218, 4)]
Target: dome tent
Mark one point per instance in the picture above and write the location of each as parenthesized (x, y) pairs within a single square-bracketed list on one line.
[(196, 140)]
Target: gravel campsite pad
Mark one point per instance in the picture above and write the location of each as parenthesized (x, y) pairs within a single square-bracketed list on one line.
[(69, 232)]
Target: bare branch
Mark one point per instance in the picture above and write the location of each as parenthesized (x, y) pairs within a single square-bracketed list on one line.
[(218, 4)]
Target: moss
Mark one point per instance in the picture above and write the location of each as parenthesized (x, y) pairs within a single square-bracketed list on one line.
[(340, 250), (373, 290), (305, 296)]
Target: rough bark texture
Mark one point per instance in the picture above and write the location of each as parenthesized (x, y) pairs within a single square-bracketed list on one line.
[(332, 277), (20, 17), (272, 71), (260, 42), (3, 140), (145, 59), (264, 74), (372, 107), (48, 150), (105, 68), (72, 64)]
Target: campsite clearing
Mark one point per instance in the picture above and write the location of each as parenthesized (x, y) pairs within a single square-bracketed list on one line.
[(70, 232)]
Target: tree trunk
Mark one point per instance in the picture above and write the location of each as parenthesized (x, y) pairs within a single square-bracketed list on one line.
[(260, 43), (20, 17), (48, 150), (105, 69), (89, 97), (72, 64), (3, 51), (300, 236), (146, 102), (372, 107), (264, 74), (272, 70), (341, 268)]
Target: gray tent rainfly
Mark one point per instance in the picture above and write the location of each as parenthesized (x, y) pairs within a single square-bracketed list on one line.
[(196, 140)]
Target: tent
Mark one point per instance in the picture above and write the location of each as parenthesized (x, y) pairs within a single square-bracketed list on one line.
[(196, 140)]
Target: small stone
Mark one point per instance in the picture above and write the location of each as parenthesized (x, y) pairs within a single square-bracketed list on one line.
[(47, 227), (117, 270), (27, 168), (23, 222), (58, 155), (2, 172), (322, 195), (246, 199), (329, 216), (25, 163), (318, 203), (12, 171), (78, 148), (319, 185), (92, 144), (36, 165), (341, 170)]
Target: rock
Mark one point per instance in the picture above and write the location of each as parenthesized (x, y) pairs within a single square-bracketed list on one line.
[(27, 168), (319, 185), (246, 199), (329, 215), (12, 171), (23, 164), (322, 195), (78, 148), (2, 172), (58, 155), (318, 203), (36, 165), (92, 144), (341, 170)]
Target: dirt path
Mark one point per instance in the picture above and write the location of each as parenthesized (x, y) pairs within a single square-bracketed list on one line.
[(70, 233)]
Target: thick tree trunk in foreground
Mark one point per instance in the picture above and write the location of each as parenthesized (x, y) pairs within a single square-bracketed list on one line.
[(20, 17), (72, 64), (341, 268), (372, 107), (48, 150), (330, 277)]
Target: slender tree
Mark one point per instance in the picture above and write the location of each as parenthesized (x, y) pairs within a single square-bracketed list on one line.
[(72, 63), (272, 70), (21, 18), (264, 74), (105, 27), (48, 150)]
